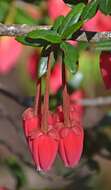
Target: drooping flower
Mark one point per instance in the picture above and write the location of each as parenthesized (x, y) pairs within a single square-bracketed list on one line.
[(69, 126), (105, 67), (38, 124)]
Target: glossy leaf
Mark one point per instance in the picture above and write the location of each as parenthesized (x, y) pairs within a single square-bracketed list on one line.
[(71, 29), (42, 66), (105, 6), (47, 35), (70, 57), (72, 17), (58, 23), (90, 10), (30, 42)]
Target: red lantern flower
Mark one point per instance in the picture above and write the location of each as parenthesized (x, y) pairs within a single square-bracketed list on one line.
[(69, 126), (47, 133), (38, 128)]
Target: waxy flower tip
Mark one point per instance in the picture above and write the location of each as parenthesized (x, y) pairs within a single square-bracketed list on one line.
[(71, 145)]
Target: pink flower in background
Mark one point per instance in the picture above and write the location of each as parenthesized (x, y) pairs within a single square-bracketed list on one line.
[(56, 78), (99, 23), (105, 67), (32, 64), (57, 8), (77, 109), (10, 51)]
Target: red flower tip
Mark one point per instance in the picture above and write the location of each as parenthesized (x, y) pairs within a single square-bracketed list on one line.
[(71, 145), (30, 124), (45, 147), (105, 67)]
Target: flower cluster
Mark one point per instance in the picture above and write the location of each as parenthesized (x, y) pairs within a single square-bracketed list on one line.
[(48, 133)]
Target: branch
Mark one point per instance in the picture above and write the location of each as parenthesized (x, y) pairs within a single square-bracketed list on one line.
[(26, 101), (99, 101), (81, 35)]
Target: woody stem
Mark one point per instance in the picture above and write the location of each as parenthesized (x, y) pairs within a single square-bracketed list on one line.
[(66, 105), (45, 111)]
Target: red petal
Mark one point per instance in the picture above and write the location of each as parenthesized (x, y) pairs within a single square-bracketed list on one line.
[(57, 8), (30, 122), (44, 152), (70, 147)]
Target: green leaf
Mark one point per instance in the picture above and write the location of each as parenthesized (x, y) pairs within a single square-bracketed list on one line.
[(72, 17), (104, 45), (57, 23), (71, 29), (90, 10), (31, 42), (47, 35), (105, 6), (70, 57), (42, 66)]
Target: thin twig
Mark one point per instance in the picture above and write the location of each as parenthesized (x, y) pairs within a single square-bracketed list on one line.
[(98, 101), (81, 35), (18, 30)]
